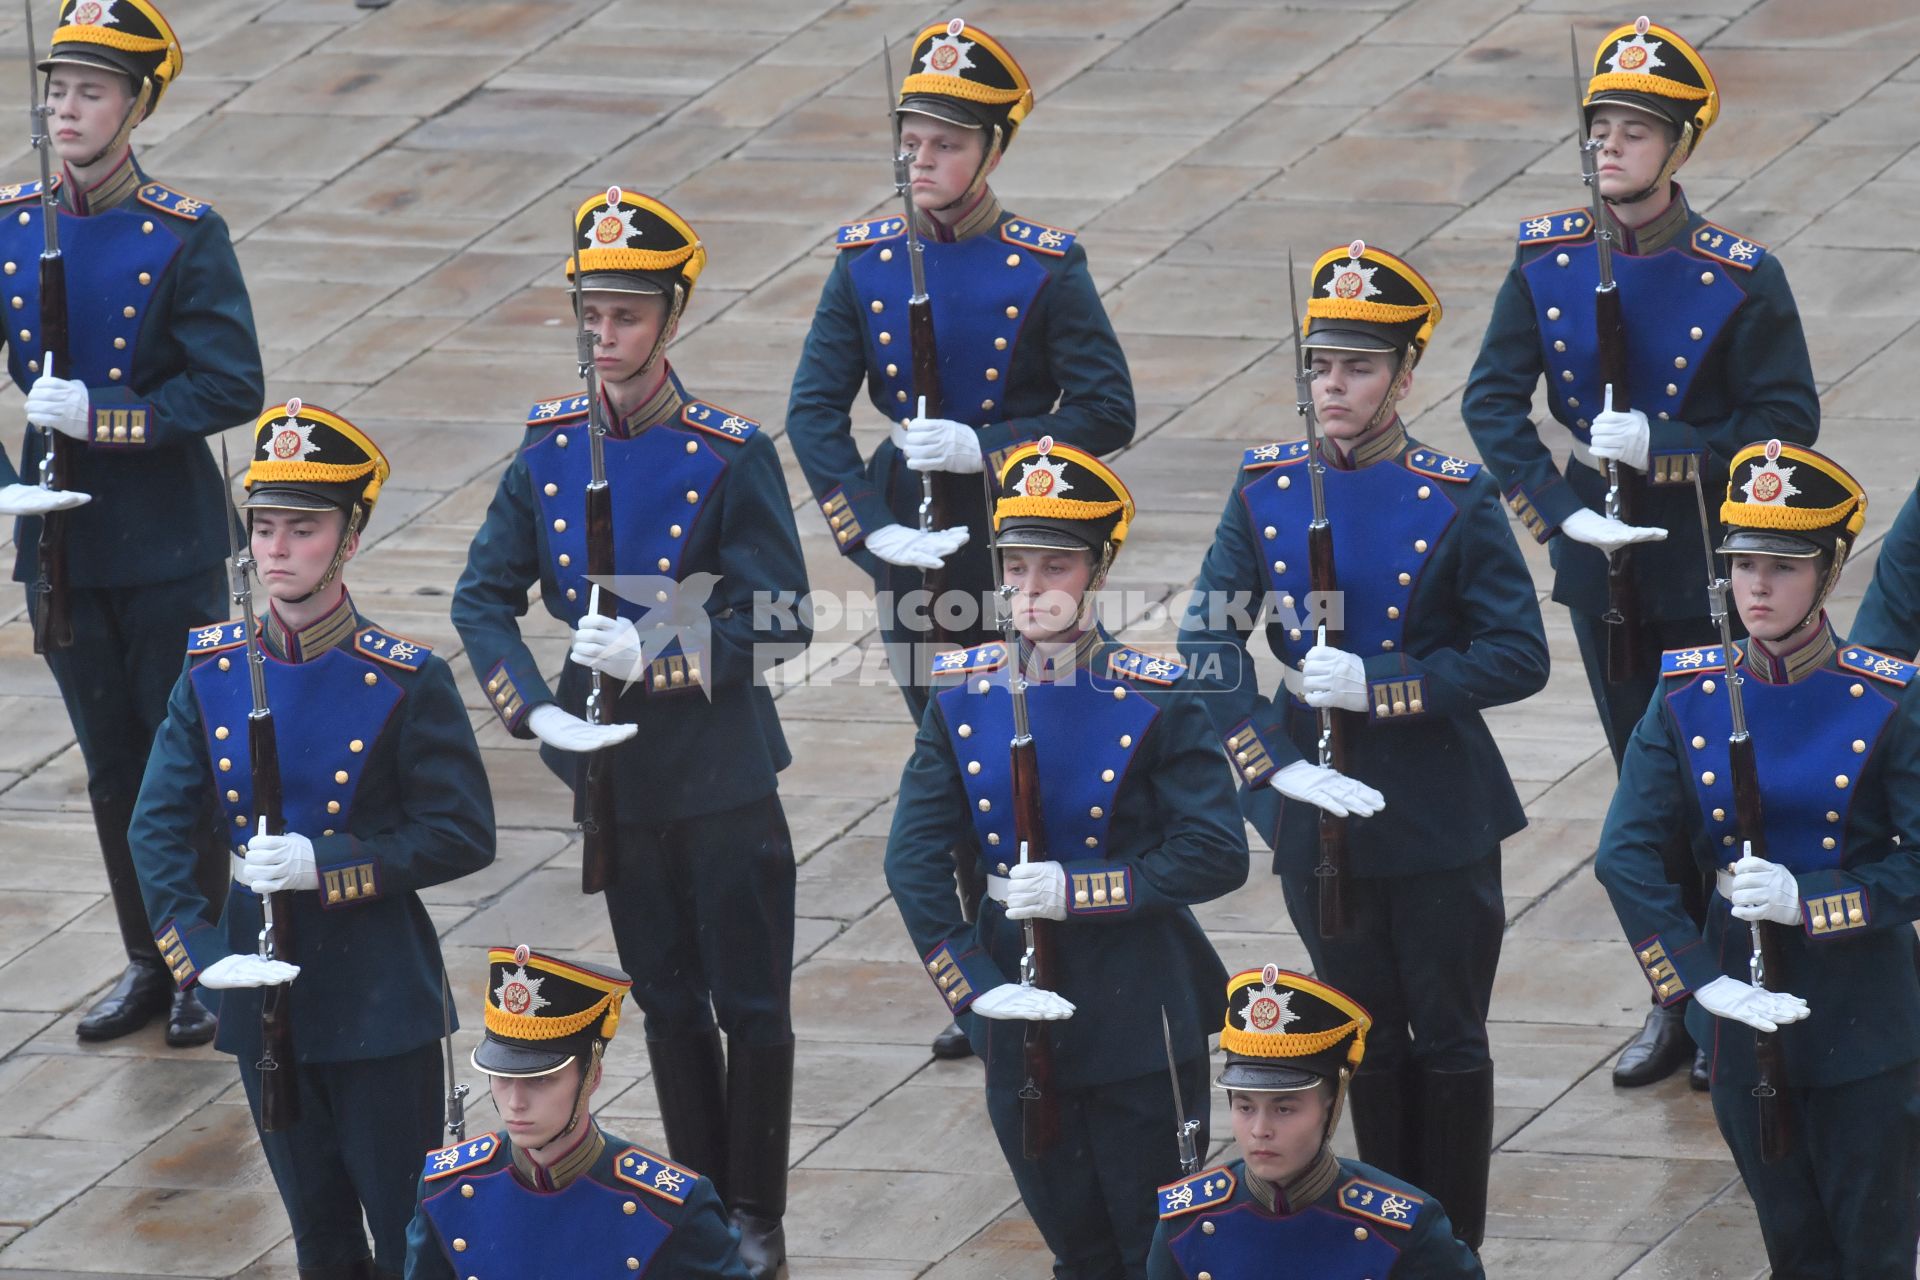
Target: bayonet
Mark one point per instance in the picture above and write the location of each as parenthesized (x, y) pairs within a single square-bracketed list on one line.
[(1186, 1130)]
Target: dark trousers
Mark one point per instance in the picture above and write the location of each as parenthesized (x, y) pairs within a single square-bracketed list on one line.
[(1092, 1195), (1841, 1206), (129, 645), (702, 913), (1419, 955), (365, 1128)]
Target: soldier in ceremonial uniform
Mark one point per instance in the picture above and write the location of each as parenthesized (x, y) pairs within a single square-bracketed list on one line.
[(1715, 360), (383, 795), (1836, 743), (1889, 617), (1025, 350), (161, 353), (1288, 1206), (1138, 822), (1440, 623), (702, 897), (558, 1197)]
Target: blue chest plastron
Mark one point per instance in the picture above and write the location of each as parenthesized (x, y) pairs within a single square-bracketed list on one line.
[(108, 256), (660, 482), (327, 715), (512, 1232), (1314, 1242), (982, 290), (1385, 533), (1085, 739), (1675, 305), (1803, 747)]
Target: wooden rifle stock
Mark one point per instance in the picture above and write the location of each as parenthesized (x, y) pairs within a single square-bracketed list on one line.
[(941, 501), (52, 614), (1627, 654), (1039, 1100), (279, 1094), (1332, 872), (1769, 1089), (597, 801)]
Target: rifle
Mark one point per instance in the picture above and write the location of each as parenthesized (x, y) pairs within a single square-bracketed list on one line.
[(1627, 656), (1763, 966), (597, 805), (1039, 1101), (1331, 872), (456, 1092), (279, 1097), (52, 611), (939, 499), (1185, 1130)]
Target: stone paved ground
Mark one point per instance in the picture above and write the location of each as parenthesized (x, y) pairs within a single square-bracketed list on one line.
[(397, 183)]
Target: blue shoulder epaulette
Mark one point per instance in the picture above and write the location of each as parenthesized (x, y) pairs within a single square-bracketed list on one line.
[(1440, 466), (1881, 666), (1561, 224), (1037, 236), (461, 1155), (559, 409), (167, 200), (855, 235), (395, 651), (638, 1167), (216, 636), (1686, 662), (1197, 1192), (15, 192), (1734, 250), (1273, 455), (961, 662), (1135, 665), (1381, 1204), (714, 420)]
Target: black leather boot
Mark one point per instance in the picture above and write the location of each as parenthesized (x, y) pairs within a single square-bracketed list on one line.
[(690, 1080), (1700, 1078), (1384, 1108), (1456, 1146), (952, 1044), (190, 1023), (1660, 1049), (759, 1120), (144, 991)]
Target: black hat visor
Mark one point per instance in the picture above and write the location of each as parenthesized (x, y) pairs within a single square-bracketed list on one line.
[(1251, 1075), (1769, 542), (498, 1058), (951, 110)]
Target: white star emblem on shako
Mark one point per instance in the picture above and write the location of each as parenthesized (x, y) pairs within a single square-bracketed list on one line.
[(613, 227), (1770, 484), (293, 441), (1638, 56), (520, 994), (94, 13), (1042, 478), (1268, 1009), (1352, 279), (947, 55)]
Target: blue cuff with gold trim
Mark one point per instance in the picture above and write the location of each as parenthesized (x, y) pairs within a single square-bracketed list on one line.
[(504, 696), (348, 883), (1098, 888), (1251, 759), (121, 427), (1397, 697), (841, 519), (1832, 904), (675, 673), (178, 946), (960, 975), (1663, 968), (1673, 466)]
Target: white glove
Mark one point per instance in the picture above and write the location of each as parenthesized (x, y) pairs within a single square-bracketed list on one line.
[(565, 731), (277, 863), (1764, 890), (941, 444), (59, 404), (247, 971), (1623, 437), (32, 500), (1327, 789), (1014, 1003), (914, 549), (610, 645), (1333, 678), (1605, 533), (1739, 1001), (1037, 891)]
